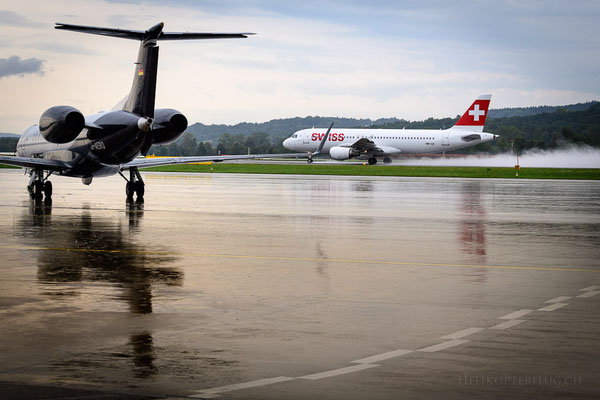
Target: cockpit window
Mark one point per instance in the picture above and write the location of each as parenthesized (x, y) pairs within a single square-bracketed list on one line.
[(294, 136)]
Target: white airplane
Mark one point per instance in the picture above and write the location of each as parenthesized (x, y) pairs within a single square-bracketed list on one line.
[(368, 144), (67, 143)]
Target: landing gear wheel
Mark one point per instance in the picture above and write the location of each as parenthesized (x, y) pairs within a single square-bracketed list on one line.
[(138, 187), (48, 189), (372, 161), (387, 160), (38, 190), (310, 160), (129, 190)]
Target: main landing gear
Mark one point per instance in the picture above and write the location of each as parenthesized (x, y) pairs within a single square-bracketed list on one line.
[(372, 161), (135, 184), (39, 186)]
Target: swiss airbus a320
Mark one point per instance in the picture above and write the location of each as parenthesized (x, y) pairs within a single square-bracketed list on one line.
[(67, 143), (368, 144)]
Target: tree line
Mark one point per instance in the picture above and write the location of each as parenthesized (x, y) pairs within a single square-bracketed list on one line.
[(187, 145), (544, 131)]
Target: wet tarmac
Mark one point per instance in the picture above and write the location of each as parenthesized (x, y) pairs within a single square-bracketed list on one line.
[(299, 287)]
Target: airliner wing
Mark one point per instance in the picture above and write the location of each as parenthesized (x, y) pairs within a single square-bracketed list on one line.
[(364, 145), (160, 161), (30, 162)]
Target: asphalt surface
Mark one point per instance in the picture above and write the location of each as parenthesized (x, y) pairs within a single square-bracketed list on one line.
[(296, 287)]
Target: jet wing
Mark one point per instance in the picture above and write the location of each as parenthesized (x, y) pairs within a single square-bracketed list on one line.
[(30, 162), (367, 147), (364, 145), (160, 161)]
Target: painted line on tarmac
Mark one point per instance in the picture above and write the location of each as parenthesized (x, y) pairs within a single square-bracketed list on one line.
[(339, 371), (559, 299), (553, 307), (216, 391), (463, 333), (443, 346), (368, 362), (516, 314), (589, 288), (302, 259), (508, 324), (382, 357)]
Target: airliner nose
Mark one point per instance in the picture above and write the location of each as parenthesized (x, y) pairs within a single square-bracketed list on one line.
[(286, 143)]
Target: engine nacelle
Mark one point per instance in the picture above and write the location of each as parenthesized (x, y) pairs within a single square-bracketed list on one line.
[(168, 125), (61, 124), (342, 153)]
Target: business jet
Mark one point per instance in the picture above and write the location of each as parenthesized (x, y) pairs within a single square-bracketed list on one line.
[(67, 143), (368, 144)]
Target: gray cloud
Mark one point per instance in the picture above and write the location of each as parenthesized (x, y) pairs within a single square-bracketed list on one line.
[(14, 65), (9, 18)]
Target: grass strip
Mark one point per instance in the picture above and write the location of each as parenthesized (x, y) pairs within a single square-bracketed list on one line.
[(395, 170), (366, 170)]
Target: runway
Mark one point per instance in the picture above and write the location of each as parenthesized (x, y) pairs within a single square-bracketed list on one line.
[(297, 287)]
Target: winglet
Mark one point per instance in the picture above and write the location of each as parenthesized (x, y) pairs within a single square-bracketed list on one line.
[(323, 141)]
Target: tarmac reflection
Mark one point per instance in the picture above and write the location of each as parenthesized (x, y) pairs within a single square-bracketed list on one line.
[(89, 249)]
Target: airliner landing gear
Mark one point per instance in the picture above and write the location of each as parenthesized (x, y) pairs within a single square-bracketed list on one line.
[(135, 184), (309, 160), (39, 186), (387, 160), (372, 161)]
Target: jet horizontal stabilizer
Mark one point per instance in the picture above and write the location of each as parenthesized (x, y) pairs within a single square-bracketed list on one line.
[(144, 35)]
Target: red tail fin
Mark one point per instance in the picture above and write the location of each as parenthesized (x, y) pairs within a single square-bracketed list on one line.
[(474, 117)]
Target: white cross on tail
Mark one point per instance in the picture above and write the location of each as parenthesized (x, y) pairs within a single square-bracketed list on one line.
[(476, 112)]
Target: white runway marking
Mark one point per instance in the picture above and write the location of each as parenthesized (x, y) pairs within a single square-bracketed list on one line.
[(516, 314), (463, 333), (443, 346), (381, 357), (508, 324), (368, 362), (589, 294), (559, 299), (553, 307), (215, 392), (339, 371)]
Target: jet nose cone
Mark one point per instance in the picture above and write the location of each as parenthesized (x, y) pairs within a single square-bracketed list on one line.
[(286, 143)]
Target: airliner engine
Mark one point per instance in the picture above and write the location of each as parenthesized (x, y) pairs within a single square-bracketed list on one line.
[(61, 124), (342, 153), (168, 125)]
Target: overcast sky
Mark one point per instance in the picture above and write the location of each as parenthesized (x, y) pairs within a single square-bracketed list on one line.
[(404, 59)]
